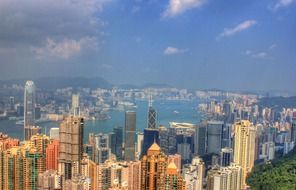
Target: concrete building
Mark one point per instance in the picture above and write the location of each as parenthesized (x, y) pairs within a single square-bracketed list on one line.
[(244, 147), (71, 146), (130, 133)]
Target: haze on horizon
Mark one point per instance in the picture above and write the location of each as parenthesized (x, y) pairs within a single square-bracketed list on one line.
[(233, 45)]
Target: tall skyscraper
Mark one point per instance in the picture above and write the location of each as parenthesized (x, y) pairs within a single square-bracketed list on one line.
[(173, 179), (102, 151), (154, 166), (150, 135), (151, 115), (116, 142), (29, 108), (75, 105), (225, 178), (71, 146), (214, 134), (52, 155), (129, 135), (54, 133), (244, 147), (194, 174), (200, 139)]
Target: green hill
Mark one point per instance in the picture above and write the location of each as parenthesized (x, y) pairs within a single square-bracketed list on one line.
[(279, 174)]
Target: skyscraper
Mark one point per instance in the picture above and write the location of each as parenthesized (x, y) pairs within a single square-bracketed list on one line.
[(194, 174), (102, 150), (154, 166), (71, 146), (29, 108), (116, 142), (244, 147), (150, 135), (52, 155), (129, 136), (75, 105), (151, 116), (214, 134), (174, 180)]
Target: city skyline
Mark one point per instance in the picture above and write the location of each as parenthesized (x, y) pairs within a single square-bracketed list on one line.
[(193, 44)]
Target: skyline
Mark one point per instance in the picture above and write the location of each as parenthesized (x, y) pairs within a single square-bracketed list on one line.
[(198, 44)]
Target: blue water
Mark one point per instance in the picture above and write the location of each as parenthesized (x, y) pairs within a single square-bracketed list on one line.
[(165, 114)]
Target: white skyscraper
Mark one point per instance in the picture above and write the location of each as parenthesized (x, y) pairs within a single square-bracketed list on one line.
[(29, 108)]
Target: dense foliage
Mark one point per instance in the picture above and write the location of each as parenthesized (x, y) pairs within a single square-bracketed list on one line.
[(279, 174)]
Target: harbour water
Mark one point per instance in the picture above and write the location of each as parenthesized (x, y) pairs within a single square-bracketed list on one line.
[(167, 111)]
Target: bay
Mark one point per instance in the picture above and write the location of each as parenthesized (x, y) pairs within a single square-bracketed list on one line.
[(167, 111)]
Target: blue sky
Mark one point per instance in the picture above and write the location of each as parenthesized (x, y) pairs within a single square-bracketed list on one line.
[(232, 45)]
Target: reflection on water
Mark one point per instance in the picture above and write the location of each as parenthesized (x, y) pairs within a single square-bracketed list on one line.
[(166, 112)]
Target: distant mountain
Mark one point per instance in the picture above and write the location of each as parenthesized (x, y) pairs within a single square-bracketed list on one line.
[(279, 174), (62, 82), (148, 85), (278, 102)]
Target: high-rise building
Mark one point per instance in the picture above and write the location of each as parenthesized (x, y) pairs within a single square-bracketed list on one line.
[(167, 140), (214, 136), (7, 142), (139, 147), (225, 178), (33, 165), (129, 135), (151, 116), (75, 105), (116, 142), (78, 182), (244, 147), (200, 139), (153, 171), (71, 146), (194, 174), (226, 156), (150, 135), (293, 130), (174, 180), (29, 108), (102, 151), (176, 159), (52, 155), (54, 133), (49, 180)]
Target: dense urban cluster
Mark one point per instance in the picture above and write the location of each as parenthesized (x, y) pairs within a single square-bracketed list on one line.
[(217, 153)]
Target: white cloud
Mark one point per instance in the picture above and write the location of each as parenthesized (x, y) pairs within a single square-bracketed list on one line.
[(239, 28), (177, 7), (259, 55), (282, 4), (173, 50), (272, 46), (64, 49), (136, 9)]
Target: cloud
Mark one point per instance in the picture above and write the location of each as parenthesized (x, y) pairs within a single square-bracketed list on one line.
[(136, 9), (64, 49), (50, 28), (173, 50), (282, 4), (177, 7), (239, 28), (259, 55), (272, 46)]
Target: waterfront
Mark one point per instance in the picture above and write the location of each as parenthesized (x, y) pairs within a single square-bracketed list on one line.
[(166, 112)]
